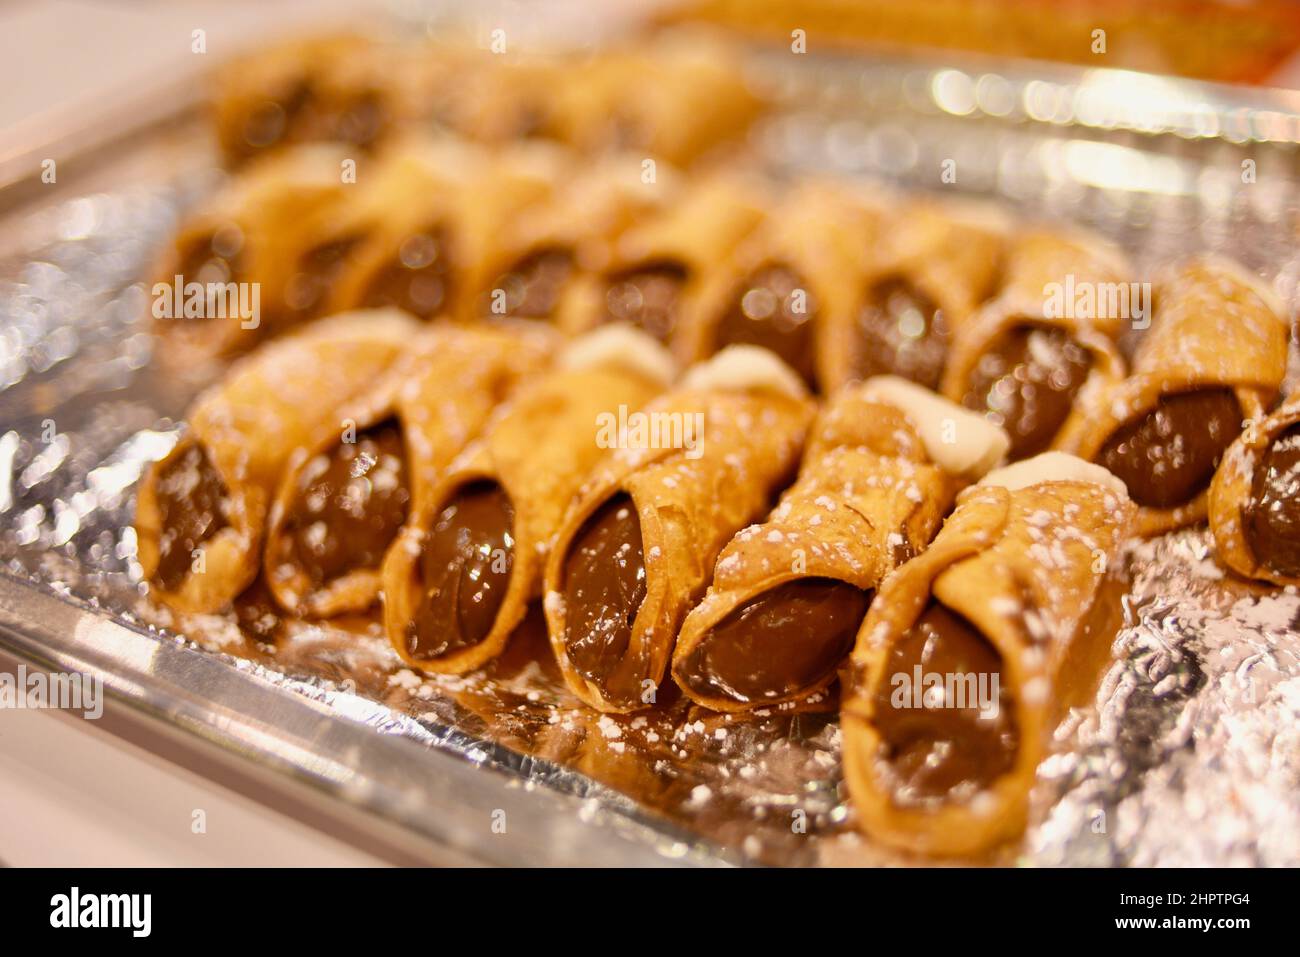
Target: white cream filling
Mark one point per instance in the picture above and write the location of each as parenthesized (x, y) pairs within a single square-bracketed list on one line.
[(623, 346), (959, 441), (745, 368), (1054, 467)]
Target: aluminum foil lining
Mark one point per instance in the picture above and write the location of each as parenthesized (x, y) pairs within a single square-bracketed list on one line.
[(1190, 755)]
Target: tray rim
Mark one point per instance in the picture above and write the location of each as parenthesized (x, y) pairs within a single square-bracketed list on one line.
[(435, 797)]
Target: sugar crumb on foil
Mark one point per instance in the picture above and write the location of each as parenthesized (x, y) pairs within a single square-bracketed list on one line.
[(406, 678), (701, 794)]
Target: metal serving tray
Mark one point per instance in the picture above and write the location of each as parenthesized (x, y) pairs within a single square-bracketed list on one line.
[(1189, 756)]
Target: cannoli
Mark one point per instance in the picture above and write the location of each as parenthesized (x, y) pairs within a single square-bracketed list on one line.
[(659, 268), (974, 651), (679, 99), (929, 267), (1026, 356), (1254, 503), (241, 268), (501, 98), (458, 579), (339, 507), (884, 462), (201, 509), (638, 545), (787, 283), (335, 88), (550, 258), (1215, 357), (443, 206)]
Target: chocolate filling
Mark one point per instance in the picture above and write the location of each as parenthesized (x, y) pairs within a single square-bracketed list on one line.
[(944, 753), (531, 119), (900, 331), (1168, 456), (360, 121), (269, 122), (348, 507), (1028, 381), (218, 258), (604, 585), (303, 116), (464, 570), (192, 503), (625, 131), (779, 643), (773, 309), (1272, 517), (318, 269), (901, 548), (532, 288), (647, 296), (258, 616), (418, 279)]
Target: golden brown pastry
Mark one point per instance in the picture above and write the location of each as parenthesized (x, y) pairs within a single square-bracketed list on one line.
[(882, 466), (974, 650), (342, 88), (202, 509), (341, 504), (501, 97), (638, 544), (435, 211), (787, 284), (1028, 355), (549, 260), (1214, 358), (248, 263), (459, 577), (660, 267), (927, 267), (679, 98), (1254, 503)]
